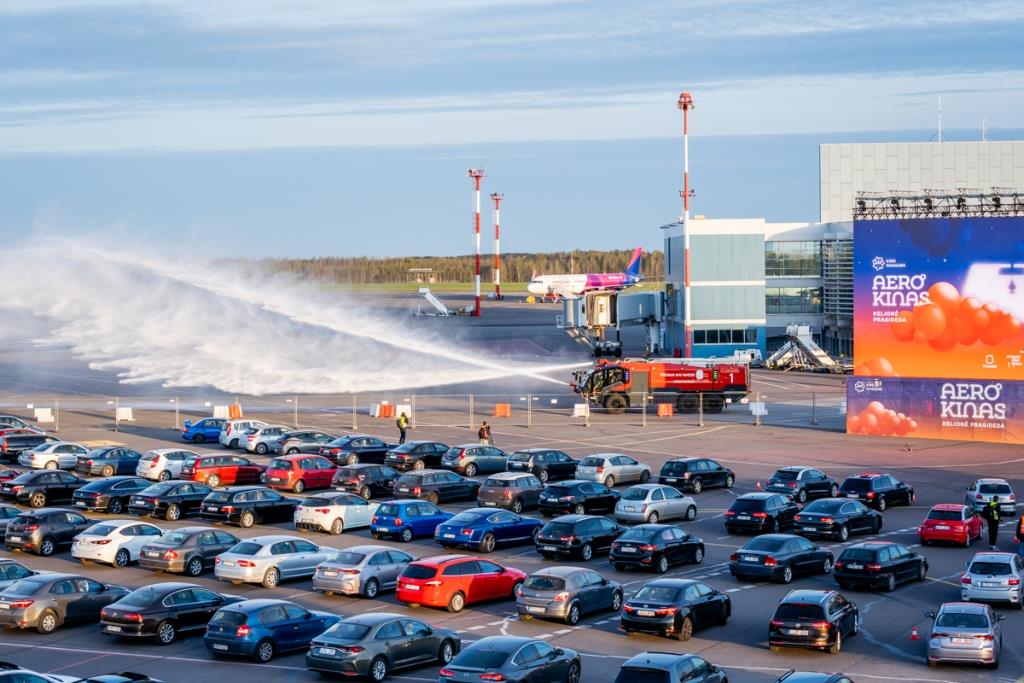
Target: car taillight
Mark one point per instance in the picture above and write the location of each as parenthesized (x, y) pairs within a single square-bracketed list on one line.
[(799, 518), (965, 580), (17, 488), (979, 497), (170, 555), (826, 520), (398, 521), (840, 565), (821, 625), (228, 508), (984, 636), (101, 542), (432, 582), (20, 604), (565, 499), (939, 634), (686, 475), (154, 501), (874, 567), (462, 454), (734, 557), (871, 494), (791, 484), (467, 532), (730, 513), (561, 597), (88, 462), (246, 563), (492, 677), (665, 611), (228, 430), (628, 609), (350, 648), (416, 490), (446, 672), (775, 623), (132, 616), (322, 511), (242, 631), (152, 464), (600, 469), (567, 539), (519, 590), (648, 548), (508, 493), (760, 515), (349, 571), (373, 520), (771, 562), (1014, 582)]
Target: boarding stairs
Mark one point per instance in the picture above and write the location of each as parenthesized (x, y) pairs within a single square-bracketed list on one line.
[(800, 352), (442, 310)]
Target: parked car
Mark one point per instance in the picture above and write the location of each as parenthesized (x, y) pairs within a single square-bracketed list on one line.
[(108, 461), (579, 497), (52, 455), (472, 459), (792, 676), (259, 629), (366, 480), (233, 431), (674, 608), (7, 513), (163, 463), (981, 492), (877, 490), (299, 472), (170, 500), (301, 441), (162, 610), (879, 564), (108, 495), (484, 529), (813, 619), (41, 487), (44, 531), (837, 518), (201, 431), (7, 474), (374, 645), (578, 536), (12, 673), (566, 594), (13, 444), (649, 503), (668, 667), (47, 601), (965, 633), (611, 469), (761, 513), (515, 491), (363, 570), (655, 546), (356, 448), (407, 519), (802, 484), (261, 440), (247, 505), (334, 512), (951, 523), (994, 577), (189, 550), (454, 581), (12, 570), (415, 455), (117, 542), (14, 422), (513, 659), (695, 474), (779, 557), (436, 486), (545, 464), (268, 560), (218, 470)]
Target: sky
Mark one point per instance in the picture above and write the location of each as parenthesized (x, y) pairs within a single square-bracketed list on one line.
[(310, 128)]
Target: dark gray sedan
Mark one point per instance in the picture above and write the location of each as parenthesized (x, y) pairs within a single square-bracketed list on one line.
[(566, 593), (187, 550), (515, 659), (46, 601)]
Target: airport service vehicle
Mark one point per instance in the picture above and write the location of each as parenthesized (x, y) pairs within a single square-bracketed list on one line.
[(117, 542), (47, 601), (407, 519), (695, 474), (436, 486), (163, 463), (994, 577), (217, 470), (454, 581), (513, 659), (365, 480), (484, 529), (655, 547), (546, 465), (170, 500), (108, 461), (41, 487), (161, 611), (761, 513), (611, 469), (578, 497), (472, 459), (779, 557), (201, 431), (261, 440), (879, 564), (877, 490), (576, 536), (674, 608), (268, 560), (334, 512), (189, 550), (813, 619), (951, 523), (802, 484), (108, 495), (667, 667), (837, 518), (7, 513), (981, 492), (52, 455), (233, 431), (415, 455), (566, 594), (301, 441), (259, 629), (363, 570), (45, 530), (649, 503), (11, 571), (374, 645), (247, 505), (965, 633), (13, 444), (514, 491), (573, 285), (619, 385), (299, 472), (356, 448)]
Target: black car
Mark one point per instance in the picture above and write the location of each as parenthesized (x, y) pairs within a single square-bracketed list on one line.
[(108, 495), (162, 610), (415, 455), (188, 550), (792, 676), (674, 607), (655, 546), (579, 497), (779, 557), (512, 659), (877, 490), (836, 518), (818, 620), (695, 474), (436, 486), (41, 487), (802, 483), (668, 667), (12, 445), (365, 480), (760, 513), (879, 564), (43, 531), (247, 505), (513, 491), (108, 461), (576, 536), (545, 464), (356, 448), (170, 500), (47, 600)]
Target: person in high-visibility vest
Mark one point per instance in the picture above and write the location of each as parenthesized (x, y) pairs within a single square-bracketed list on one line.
[(403, 424), (990, 513)]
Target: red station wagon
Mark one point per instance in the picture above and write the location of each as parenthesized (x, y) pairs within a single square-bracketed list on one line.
[(299, 472), (454, 581), (950, 523), (221, 470)]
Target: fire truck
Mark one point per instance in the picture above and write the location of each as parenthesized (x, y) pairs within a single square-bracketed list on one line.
[(617, 385)]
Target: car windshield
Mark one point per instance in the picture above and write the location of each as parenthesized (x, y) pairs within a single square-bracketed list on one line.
[(245, 548), (479, 658), (540, 582), (219, 497), (387, 510), (674, 468), (519, 457), (747, 505), (991, 568), (640, 534), (418, 571), (348, 631), (638, 675), (858, 555), (658, 594), (279, 464), (229, 618), (24, 587), (995, 488), (144, 597), (785, 475), (799, 611), (961, 620), (173, 538), (591, 461), (636, 493), (824, 506), (946, 515), (857, 485), (348, 557), (100, 530), (557, 529), (768, 545)]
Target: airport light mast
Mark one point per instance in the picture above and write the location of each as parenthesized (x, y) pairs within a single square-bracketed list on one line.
[(497, 243), (686, 104), (477, 174)]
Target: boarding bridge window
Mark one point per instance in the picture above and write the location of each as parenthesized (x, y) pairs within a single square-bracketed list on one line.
[(793, 299), (792, 259), (746, 336)]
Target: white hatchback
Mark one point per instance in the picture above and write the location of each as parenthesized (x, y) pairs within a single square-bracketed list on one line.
[(163, 463), (232, 432), (53, 455), (334, 511), (117, 542)]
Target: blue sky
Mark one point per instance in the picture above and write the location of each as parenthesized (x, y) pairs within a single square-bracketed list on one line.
[(273, 127)]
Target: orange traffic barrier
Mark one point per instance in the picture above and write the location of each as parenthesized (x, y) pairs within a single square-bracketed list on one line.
[(502, 410), (665, 410), (387, 410), (234, 411)]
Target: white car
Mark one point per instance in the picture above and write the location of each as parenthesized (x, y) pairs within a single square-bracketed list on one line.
[(334, 511), (53, 455), (260, 440), (117, 542), (612, 468), (163, 463), (11, 673), (232, 432)]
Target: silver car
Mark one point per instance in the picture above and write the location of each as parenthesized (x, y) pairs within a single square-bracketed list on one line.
[(993, 577), (965, 632), (649, 503), (261, 440), (363, 570), (566, 593), (269, 559), (233, 431), (980, 493), (474, 458), (611, 469), (163, 463), (53, 455)]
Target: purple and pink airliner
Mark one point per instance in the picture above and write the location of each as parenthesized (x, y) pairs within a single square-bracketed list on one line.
[(570, 286)]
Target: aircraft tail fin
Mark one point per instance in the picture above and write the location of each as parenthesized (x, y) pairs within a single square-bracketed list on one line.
[(633, 269)]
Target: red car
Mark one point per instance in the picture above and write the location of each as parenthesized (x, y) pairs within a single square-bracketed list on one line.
[(299, 472), (950, 523), (218, 470), (453, 581), (6, 473)]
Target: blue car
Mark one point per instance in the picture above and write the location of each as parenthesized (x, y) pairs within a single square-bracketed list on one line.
[(207, 429), (485, 528), (261, 628), (407, 519)]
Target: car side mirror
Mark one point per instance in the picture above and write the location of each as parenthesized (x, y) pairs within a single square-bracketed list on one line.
[(1001, 617), (930, 614), (559, 651), (309, 615)]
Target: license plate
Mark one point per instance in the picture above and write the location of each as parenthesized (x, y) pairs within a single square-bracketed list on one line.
[(15, 538), (962, 641), (851, 495), (628, 549), (115, 629), (549, 548), (212, 509), (645, 612), (275, 479), (489, 504), (228, 563), (410, 587), (80, 503), (750, 558), (629, 508), (799, 632), (218, 646), (808, 528), (942, 527), (449, 535), (744, 517), (330, 651), (535, 610), (855, 566), (152, 553), (306, 520), (671, 480), (330, 573), (404, 489), (990, 584)]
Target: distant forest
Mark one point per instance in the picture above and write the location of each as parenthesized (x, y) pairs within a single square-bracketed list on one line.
[(365, 270)]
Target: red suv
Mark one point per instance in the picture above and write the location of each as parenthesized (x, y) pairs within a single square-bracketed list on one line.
[(299, 472), (950, 523), (217, 470), (453, 581)]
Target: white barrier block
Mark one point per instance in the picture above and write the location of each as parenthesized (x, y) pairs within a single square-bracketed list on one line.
[(374, 410), (44, 415), (124, 414), (221, 412), (758, 408), (842, 406), (580, 409)]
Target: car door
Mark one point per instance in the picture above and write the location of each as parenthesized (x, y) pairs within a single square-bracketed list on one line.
[(279, 508), (208, 547), (674, 542), (205, 604), (596, 590), (800, 552), (286, 559), (497, 584), (275, 620), (309, 556), (530, 667), (391, 638), (496, 459), (841, 611), (859, 516), (67, 593), (504, 526), (422, 643), (392, 567), (560, 464), (785, 510), (714, 473), (144, 535), (357, 511), (183, 609), (606, 532)]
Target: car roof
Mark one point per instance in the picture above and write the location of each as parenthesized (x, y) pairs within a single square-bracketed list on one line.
[(256, 604), (509, 644), (673, 583), (963, 607), (168, 586), (509, 475), (482, 511), (162, 451), (867, 475), (439, 560), (693, 458), (239, 489), (116, 479), (991, 480), (949, 506), (534, 451), (360, 466), (992, 557), (41, 512), (375, 618), (571, 482), (792, 468), (196, 529), (572, 519), (420, 473), (367, 549), (756, 495), (273, 538), (807, 595), (872, 545), (664, 660), (561, 570), (775, 537), (606, 455), (118, 523)]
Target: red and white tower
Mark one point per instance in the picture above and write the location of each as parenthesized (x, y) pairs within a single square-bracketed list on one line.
[(686, 104), (477, 174), (497, 243)]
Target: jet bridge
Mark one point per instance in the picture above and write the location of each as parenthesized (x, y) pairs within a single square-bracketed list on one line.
[(593, 318)]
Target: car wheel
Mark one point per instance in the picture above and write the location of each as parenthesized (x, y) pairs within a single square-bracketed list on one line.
[(890, 583), (609, 481), (37, 500), (685, 631), (271, 578), (579, 509), (616, 602), (729, 481), (662, 565), (299, 487), (378, 669), (534, 534), (261, 449), (337, 526), (198, 438), (371, 589), (47, 546), (691, 513), (165, 633), (115, 506), (48, 622), (51, 465), (801, 496), (213, 480), (517, 506), (835, 647), (122, 558), (264, 652), (164, 475), (572, 616), (364, 492), (173, 513), (922, 572), (432, 498), (698, 555), (291, 451), (406, 535), (881, 504), (844, 533), (543, 476), (856, 625), (787, 574), (446, 653), (419, 465), (194, 567), (456, 602), (487, 543), (471, 470), (645, 477), (107, 471), (698, 486), (653, 517), (586, 552), (573, 675), (826, 566), (247, 520)]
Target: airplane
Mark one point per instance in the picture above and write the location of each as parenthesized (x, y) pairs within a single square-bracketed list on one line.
[(572, 286)]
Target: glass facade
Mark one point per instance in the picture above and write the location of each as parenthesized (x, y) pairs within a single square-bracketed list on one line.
[(730, 336), (792, 259), (793, 299)]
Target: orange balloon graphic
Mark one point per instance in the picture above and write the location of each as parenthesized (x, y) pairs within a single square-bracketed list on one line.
[(945, 341), (880, 367), (868, 423), (981, 319), (946, 296), (904, 329), (876, 408), (963, 329), (853, 424), (992, 334), (929, 320)]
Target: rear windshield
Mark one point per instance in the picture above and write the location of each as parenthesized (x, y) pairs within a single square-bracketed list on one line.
[(559, 491), (410, 479), (496, 483), (658, 593), (348, 557), (466, 518), (857, 485), (747, 505), (799, 611), (219, 497), (591, 461), (150, 456), (520, 457), (946, 515), (545, 583), (100, 529), (144, 597), (639, 534), (279, 464), (173, 538), (673, 468), (768, 545), (556, 528), (23, 587), (828, 507), (481, 659), (961, 620), (229, 618), (995, 488), (858, 555), (636, 494), (347, 473), (418, 571), (388, 510), (316, 500), (348, 631), (636, 675), (991, 568), (158, 489), (785, 475), (245, 548)]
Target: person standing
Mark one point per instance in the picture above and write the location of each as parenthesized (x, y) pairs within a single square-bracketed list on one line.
[(1019, 535), (403, 424), (484, 433), (990, 513)]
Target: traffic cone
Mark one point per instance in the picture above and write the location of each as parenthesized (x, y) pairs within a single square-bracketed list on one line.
[(757, 486), (913, 634)]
